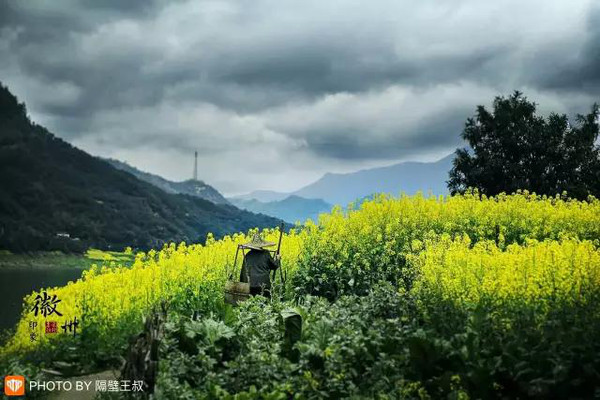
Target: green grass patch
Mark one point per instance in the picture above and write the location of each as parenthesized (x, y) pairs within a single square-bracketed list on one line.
[(55, 259)]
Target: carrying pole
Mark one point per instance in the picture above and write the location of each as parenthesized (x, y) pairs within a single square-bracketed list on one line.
[(234, 262), (280, 237), (279, 251)]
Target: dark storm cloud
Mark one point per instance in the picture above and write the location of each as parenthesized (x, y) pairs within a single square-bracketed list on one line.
[(333, 84), (433, 134), (47, 22), (303, 64), (45, 45), (578, 70), (318, 69), (397, 122)]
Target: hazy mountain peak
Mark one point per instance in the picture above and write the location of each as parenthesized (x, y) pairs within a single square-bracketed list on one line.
[(292, 208), (262, 195), (196, 188), (342, 188), (408, 177)]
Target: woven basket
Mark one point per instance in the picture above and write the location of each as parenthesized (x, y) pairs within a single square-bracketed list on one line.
[(236, 292)]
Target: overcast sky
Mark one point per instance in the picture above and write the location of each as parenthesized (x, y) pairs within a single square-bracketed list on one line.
[(272, 94)]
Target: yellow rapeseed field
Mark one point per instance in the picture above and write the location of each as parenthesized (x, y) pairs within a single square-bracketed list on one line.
[(509, 245), (565, 271), (111, 297)]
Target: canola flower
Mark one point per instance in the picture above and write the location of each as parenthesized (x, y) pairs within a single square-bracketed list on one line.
[(349, 249), (551, 271), (109, 299)]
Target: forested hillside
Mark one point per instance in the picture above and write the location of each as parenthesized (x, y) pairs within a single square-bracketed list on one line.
[(55, 196)]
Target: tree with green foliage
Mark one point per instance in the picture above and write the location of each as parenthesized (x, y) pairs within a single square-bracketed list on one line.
[(513, 148)]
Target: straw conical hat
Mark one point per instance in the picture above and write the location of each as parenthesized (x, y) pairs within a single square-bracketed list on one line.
[(258, 243)]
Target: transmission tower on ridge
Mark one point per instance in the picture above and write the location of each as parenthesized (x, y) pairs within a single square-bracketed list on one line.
[(195, 165)]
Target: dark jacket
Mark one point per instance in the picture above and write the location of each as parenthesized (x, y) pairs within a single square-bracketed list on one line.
[(257, 265)]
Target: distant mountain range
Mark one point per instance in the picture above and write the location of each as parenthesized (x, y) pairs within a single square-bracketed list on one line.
[(54, 196), (291, 209), (407, 177), (318, 197), (189, 187), (262, 195)]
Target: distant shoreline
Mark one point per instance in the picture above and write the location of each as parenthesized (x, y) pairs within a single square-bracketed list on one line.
[(56, 259)]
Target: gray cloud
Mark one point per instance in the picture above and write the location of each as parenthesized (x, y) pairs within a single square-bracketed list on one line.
[(577, 70), (274, 95)]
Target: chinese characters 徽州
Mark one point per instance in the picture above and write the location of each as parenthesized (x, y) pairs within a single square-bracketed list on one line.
[(70, 326), (46, 305)]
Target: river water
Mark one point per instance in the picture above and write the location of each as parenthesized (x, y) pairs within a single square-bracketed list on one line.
[(16, 283)]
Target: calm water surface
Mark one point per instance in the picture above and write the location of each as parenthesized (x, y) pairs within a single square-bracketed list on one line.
[(17, 283)]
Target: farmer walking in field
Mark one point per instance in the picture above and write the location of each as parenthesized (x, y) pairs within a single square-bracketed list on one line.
[(257, 266)]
